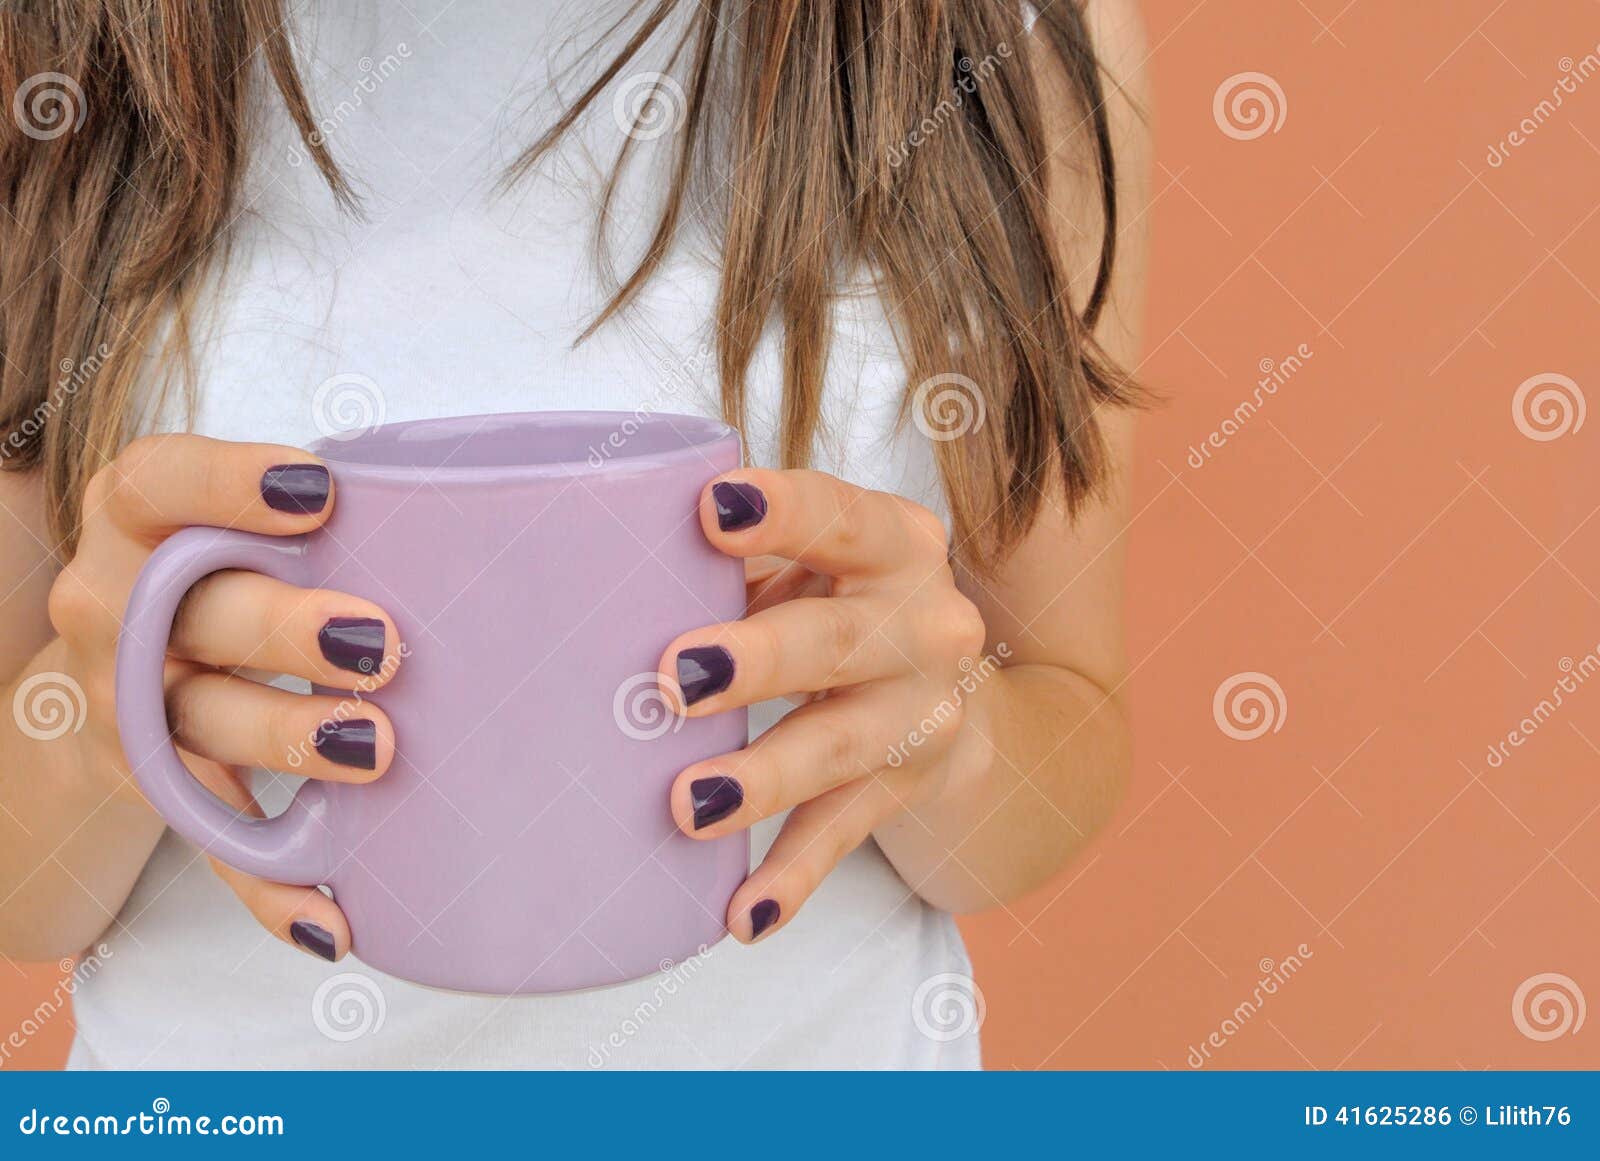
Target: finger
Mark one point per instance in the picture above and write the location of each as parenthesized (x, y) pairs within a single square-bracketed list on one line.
[(300, 916), (243, 723), (814, 839), (162, 483), (801, 646), (234, 619), (813, 750), (825, 523)]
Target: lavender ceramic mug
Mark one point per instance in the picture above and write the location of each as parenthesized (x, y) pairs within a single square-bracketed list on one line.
[(536, 566)]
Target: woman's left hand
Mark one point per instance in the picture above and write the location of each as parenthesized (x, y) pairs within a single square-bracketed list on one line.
[(859, 611)]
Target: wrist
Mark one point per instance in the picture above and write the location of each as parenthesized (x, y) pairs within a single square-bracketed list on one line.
[(56, 735)]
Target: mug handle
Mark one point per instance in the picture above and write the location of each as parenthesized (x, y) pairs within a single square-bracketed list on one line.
[(293, 847)]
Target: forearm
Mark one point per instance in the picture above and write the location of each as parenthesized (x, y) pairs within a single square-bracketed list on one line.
[(1055, 750), (71, 843)]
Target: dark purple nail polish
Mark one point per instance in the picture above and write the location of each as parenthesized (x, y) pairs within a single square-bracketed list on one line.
[(703, 671), (714, 799), (351, 743), (354, 643), (762, 916), (738, 505), (313, 938), (298, 488)]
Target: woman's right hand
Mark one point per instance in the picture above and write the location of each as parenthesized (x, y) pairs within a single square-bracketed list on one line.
[(224, 722)]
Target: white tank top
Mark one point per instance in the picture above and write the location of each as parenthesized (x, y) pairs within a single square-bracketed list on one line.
[(446, 300)]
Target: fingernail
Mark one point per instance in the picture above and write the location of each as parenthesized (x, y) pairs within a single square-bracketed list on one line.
[(316, 940), (354, 643), (762, 916), (714, 799), (297, 488), (351, 743), (703, 671), (738, 505)]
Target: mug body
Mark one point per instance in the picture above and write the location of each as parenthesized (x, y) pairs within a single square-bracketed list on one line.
[(536, 567)]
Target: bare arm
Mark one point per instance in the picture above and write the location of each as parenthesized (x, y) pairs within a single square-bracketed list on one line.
[(1054, 717), (71, 846)]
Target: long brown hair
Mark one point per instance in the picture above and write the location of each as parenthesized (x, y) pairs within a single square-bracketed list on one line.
[(906, 139)]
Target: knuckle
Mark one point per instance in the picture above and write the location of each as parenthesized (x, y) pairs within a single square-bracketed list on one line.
[(928, 527), (70, 602), (98, 491), (839, 631), (948, 715), (66, 597), (845, 524), (841, 746), (100, 688), (963, 625), (137, 456), (121, 484)]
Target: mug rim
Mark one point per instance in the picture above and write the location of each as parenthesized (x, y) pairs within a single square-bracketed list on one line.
[(702, 434)]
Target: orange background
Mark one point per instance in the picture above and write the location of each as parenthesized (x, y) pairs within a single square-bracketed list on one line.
[(1380, 538)]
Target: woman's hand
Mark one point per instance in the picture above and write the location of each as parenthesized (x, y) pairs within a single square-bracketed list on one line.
[(229, 621), (862, 611)]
